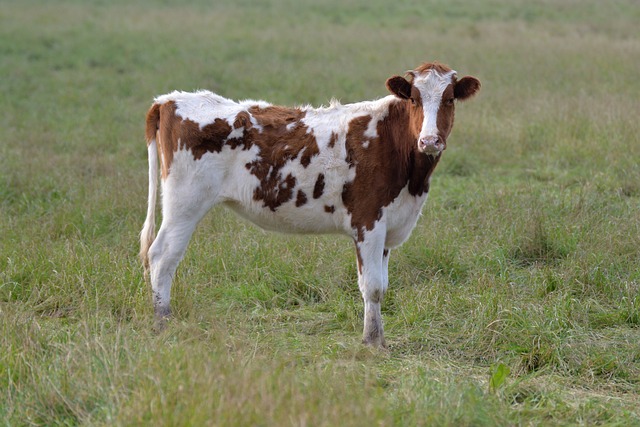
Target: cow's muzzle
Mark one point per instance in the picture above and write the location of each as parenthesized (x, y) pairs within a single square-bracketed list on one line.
[(431, 145)]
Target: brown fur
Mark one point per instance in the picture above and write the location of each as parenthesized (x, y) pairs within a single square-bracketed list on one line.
[(276, 117), (333, 140), (243, 120), (153, 119), (318, 188), (446, 114), (278, 145), (167, 144), (359, 258), (211, 138), (301, 199), (435, 66), (399, 86), (466, 87)]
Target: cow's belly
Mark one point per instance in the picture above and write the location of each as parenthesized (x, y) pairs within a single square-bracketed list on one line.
[(298, 208), (288, 218)]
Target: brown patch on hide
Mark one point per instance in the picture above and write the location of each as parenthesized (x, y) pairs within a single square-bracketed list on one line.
[(308, 153), (167, 145), (318, 188), (446, 114), (176, 134), (301, 199), (283, 138), (152, 122), (359, 258), (243, 120), (415, 113), (329, 209), (276, 117), (274, 190), (333, 139), (156, 129), (210, 139)]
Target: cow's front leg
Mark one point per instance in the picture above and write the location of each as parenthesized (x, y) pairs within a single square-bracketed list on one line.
[(372, 280)]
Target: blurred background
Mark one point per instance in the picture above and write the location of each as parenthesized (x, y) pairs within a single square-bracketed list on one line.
[(526, 257)]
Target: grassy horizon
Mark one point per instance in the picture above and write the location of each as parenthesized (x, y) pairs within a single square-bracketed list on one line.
[(526, 256)]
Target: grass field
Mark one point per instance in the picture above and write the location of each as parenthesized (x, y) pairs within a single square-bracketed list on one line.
[(525, 261)]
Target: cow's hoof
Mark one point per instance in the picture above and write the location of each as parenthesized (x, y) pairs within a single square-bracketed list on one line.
[(375, 342), (162, 315)]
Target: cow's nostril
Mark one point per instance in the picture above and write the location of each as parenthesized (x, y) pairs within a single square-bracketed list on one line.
[(430, 144), (430, 140)]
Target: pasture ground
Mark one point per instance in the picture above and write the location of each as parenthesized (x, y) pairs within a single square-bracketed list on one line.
[(526, 258)]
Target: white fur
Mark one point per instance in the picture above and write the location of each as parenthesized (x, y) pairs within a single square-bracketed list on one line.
[(431, 86), (148, 230)]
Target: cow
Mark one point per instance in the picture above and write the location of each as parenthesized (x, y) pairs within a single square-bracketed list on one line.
[(361, 170)]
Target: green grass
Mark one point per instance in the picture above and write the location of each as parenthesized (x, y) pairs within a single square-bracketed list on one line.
[(526, 255)]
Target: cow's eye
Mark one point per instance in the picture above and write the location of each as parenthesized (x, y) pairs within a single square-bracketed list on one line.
[(450, 101), (413, 101)]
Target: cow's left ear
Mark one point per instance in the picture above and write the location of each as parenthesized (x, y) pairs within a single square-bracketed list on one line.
[(399, 86), (466, 87)]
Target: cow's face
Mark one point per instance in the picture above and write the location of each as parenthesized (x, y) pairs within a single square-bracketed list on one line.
[(432, 90)]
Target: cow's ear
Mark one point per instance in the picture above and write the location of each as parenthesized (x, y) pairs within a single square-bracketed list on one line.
[(466, 87), (399, 86)]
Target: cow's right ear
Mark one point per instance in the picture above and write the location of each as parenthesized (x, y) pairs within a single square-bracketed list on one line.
[(399, 86)]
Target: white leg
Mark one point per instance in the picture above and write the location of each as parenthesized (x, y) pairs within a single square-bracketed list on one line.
[(165, 254), (372, 280), (178, 224)]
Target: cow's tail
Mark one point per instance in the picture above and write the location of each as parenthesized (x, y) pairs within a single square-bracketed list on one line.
[(148, 233)]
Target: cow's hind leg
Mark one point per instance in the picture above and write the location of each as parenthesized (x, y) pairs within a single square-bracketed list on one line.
[(166, 252), (372, 281)]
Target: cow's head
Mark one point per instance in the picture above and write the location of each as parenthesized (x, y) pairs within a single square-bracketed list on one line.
[(432, 89)]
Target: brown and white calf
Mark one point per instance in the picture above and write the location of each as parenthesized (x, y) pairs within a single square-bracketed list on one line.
[(360, 169)]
